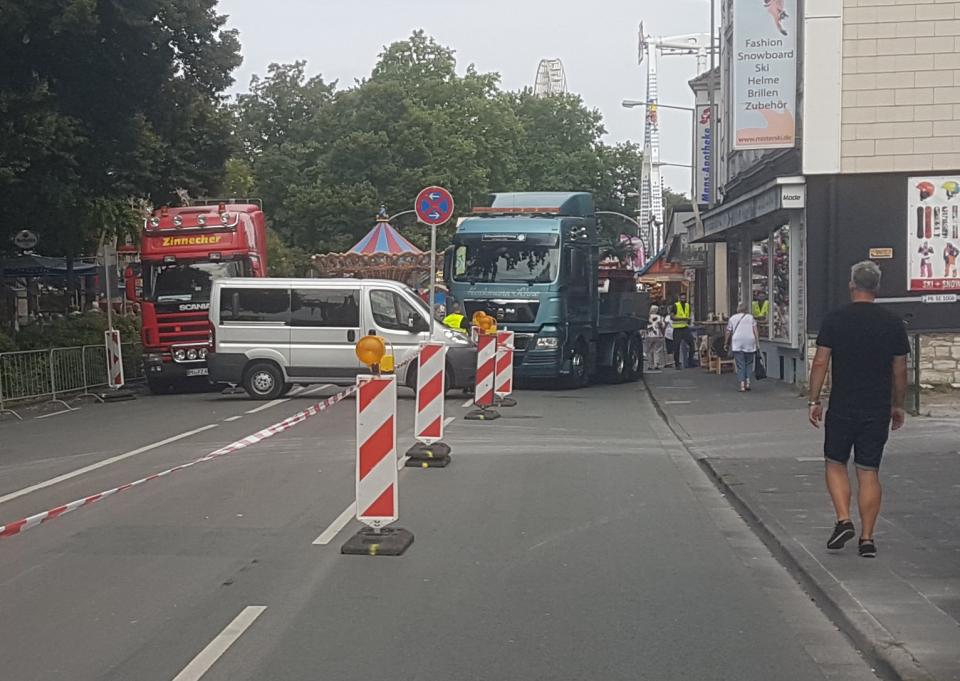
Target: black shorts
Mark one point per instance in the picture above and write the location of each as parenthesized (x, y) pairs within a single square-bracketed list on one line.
[(865, 432)]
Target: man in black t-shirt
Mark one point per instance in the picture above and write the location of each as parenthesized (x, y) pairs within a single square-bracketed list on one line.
[(868, 347)]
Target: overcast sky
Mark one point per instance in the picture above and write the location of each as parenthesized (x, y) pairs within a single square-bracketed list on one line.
[(596, 39)]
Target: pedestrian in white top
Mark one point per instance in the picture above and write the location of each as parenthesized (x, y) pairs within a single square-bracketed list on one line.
[(653, 340), (743, 340)]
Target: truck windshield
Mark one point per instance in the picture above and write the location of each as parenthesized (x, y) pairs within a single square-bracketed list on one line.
[(185, 282), (510, 262)]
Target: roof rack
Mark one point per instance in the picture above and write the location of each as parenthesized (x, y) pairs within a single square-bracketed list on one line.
[(228, 201), (488, 210)]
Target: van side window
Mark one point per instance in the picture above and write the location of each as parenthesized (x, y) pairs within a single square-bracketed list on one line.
[(252, 305), (393, 313), (331, 308)]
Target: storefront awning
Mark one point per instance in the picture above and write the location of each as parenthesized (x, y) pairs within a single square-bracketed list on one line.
[(755, 213)]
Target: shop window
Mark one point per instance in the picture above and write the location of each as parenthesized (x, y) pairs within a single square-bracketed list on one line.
[(780, 288), (760, 286)]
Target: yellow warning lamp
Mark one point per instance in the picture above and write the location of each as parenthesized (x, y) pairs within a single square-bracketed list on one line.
[(372, 351), (488, 324), (477, 316)]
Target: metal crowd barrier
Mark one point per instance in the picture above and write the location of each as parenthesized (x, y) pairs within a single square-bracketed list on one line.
[(56, 373)]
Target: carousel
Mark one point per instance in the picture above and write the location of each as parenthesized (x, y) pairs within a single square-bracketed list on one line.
[(382, 254)]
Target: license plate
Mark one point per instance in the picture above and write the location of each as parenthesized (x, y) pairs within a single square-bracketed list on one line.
[(198, 372)]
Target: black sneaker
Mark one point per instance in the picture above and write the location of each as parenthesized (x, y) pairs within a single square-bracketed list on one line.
[(867, 548), (842, 533)]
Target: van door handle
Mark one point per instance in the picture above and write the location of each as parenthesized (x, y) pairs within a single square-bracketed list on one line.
[(351, 336)]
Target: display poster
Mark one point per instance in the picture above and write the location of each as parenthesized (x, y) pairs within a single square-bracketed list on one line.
[(933, 233), (764, 63)]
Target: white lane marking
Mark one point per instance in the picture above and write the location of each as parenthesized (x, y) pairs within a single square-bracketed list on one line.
[(447, 421), (268, 405), (809, 459), (217, 647), (401, 462), (468, 403), (328, 534), (234, 418), (677, 402), (57, 413), (101, 464), (318, 388)]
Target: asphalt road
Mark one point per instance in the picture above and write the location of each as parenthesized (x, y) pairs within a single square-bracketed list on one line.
[(572, 539)]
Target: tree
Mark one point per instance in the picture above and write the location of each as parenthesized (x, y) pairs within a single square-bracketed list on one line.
[(104, 103)]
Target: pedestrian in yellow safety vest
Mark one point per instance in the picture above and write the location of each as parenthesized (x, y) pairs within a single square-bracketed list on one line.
[(455, 320), (761, 307), (681, 314)]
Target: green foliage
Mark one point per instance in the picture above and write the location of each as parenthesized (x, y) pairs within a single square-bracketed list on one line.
[(70, 331), (284, 260), (105, 104), (324, 160)]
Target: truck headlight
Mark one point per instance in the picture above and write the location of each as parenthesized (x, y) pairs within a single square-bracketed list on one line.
[(179, 355), (202, 353), (548, 343), (191, 354)]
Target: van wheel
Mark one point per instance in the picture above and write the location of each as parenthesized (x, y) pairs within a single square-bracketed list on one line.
[(617, 371), (263, 381), (287, 387), (635, 358)]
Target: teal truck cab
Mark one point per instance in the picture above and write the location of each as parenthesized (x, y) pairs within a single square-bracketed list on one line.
[(532, 261)]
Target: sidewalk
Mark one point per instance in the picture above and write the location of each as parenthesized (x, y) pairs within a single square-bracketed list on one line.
[(902, 608)]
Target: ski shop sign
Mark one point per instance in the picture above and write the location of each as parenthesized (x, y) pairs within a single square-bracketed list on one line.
[(765, 74), (933, 234)]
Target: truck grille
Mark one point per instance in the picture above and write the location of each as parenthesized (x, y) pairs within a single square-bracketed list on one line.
[(521, 341), (177, 328)]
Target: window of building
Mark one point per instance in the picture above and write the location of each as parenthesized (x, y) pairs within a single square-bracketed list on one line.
[(252, 305), (780, 283), (332, 308), (760, 285)]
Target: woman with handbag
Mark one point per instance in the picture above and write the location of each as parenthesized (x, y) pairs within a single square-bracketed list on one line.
[(742, 338)]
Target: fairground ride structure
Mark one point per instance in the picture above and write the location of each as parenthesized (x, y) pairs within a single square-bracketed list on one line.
[(551, 79)]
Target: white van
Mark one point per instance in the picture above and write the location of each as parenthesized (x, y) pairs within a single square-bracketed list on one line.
[(271, 334)]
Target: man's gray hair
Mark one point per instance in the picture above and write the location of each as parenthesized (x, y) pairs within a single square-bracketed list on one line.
[(742, 308), (865, 276)]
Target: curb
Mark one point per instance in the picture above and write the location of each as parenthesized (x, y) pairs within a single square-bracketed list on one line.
[(889, 656)]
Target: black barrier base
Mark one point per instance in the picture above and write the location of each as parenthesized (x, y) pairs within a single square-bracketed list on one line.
[(116, 395), (437, 450), (481, 415), (437, 462), (391, 541), (504, 402)]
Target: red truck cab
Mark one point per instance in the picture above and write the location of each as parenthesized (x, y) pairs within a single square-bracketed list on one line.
[(182, 251)]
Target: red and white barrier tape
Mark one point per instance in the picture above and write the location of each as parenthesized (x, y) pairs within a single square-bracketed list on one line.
[(24, 524)]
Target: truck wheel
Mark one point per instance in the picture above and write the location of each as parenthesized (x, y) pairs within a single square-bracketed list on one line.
[(635, 358), (618, 370), (263, 381), (159, 386), (579, 367)]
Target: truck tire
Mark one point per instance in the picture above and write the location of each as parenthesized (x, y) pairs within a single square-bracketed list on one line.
[(579, 367), (263, 381), (635, 358), (618, 371)]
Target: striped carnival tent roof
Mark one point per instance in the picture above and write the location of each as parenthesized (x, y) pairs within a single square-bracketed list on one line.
[(383, 238)]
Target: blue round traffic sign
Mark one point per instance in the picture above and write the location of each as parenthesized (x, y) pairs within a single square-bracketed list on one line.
[(434, 205)]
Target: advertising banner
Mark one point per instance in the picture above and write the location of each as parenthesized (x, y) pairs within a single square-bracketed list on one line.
[(764, 66), (933, 233), (702, 149)]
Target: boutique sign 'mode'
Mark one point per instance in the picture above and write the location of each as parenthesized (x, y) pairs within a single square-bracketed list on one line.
[(764, 78)]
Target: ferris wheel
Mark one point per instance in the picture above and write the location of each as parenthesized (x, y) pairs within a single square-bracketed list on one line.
[(551, 79), (651, 182)]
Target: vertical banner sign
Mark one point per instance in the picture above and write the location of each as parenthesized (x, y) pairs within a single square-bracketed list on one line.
[(503, 381), (377, 450), (933, 233), (703, 128), (486, 365), (764, 74), (114, 359), (428, 421)]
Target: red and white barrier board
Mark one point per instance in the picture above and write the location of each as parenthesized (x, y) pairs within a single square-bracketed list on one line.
[(503, 380), (377, 450), (114, 358), (486, 367), (428, 422)]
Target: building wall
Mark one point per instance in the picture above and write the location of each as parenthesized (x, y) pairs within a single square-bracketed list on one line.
[(901, 85)]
